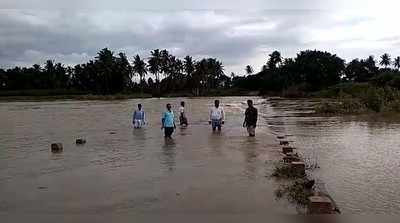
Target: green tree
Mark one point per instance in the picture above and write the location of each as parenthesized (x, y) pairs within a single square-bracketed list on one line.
[(249, 70), (104, 69), (140, 68), (274, 60), (385, 60), (154, 63), (319, 69), (189, 65), (397, 63)]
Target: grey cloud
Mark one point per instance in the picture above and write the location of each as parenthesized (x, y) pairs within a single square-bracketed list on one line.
[(74, 36), (76, 33), (168, 5)]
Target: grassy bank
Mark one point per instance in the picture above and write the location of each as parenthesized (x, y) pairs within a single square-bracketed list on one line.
[(62, 94), (358, 98)]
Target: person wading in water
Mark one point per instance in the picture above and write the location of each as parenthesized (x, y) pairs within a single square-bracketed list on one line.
[(139, 118), (183, 122), (250, 119), (217, 116), (168, 122)]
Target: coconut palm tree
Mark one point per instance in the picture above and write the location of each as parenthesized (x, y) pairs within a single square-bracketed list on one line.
[(385, 60), (154, 64), (397, 63), (274, 60), (104, 69), (140, 68), (249, 70), (189, 65)]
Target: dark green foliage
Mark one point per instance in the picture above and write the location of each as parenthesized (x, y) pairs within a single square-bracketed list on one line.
[(361, 70), (110, 74), (385, 60), (310, 71)]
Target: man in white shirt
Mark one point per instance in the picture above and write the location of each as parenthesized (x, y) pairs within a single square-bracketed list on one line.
[(217, 116), (182, 116), (138, 118)]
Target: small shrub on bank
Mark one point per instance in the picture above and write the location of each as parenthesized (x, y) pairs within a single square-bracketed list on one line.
[(295, 192), (285, 171), (370, 98), (345, 106)]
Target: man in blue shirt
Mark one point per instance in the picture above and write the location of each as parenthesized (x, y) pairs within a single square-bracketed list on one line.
[(138, 118), (168, 122)]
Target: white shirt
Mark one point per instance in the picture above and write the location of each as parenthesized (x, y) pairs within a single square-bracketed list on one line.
[(182, 110), (217, 113)]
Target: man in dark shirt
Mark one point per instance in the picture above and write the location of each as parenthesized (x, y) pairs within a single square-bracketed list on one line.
[(250, 120)]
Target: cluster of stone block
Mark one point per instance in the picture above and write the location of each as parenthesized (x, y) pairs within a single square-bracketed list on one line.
[(58, 147), (319, 203)]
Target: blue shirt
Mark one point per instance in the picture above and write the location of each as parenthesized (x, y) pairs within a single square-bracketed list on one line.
[(168, 118)]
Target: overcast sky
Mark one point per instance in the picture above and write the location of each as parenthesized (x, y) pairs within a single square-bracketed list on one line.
[(238, 34)]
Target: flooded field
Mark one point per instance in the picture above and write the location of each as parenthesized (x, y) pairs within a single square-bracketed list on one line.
[(359, 157), (122, 170), (125, 171)]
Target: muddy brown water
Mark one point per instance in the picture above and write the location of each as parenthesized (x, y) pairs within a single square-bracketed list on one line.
[(131, 172), (122, 170), (358, 156)]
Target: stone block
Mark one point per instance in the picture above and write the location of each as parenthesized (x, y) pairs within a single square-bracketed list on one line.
[(283, 142), (320, 205), (80, 141), (291, 158), (56, 147), (299, 168), (287, 149)]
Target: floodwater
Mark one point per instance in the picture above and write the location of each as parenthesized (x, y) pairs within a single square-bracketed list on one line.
[(359, 157), (125, 171)]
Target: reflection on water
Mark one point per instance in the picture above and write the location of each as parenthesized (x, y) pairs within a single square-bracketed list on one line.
[(358, 156), (121, 169), (169, 154)]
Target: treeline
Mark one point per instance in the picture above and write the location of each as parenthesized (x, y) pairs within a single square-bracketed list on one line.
[(110, 74), (313, 70), (163, 73)]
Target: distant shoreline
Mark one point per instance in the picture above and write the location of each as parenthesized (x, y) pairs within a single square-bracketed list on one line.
[(85, 97)]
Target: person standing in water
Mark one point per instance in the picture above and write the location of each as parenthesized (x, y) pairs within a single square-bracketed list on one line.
[(138, 119), (217, 116), (182, 115), (250, 119), (168, 122)]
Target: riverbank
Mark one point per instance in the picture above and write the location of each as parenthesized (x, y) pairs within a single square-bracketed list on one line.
[(64, 95), (73, 97)]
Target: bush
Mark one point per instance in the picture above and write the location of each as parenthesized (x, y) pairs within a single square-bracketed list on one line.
[(283, 170), (344, 106), (295, 192), (374, 99)]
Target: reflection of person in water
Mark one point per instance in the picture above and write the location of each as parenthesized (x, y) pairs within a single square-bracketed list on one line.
[(250, 120), (182, 115), (168, 122), (139, 118)]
